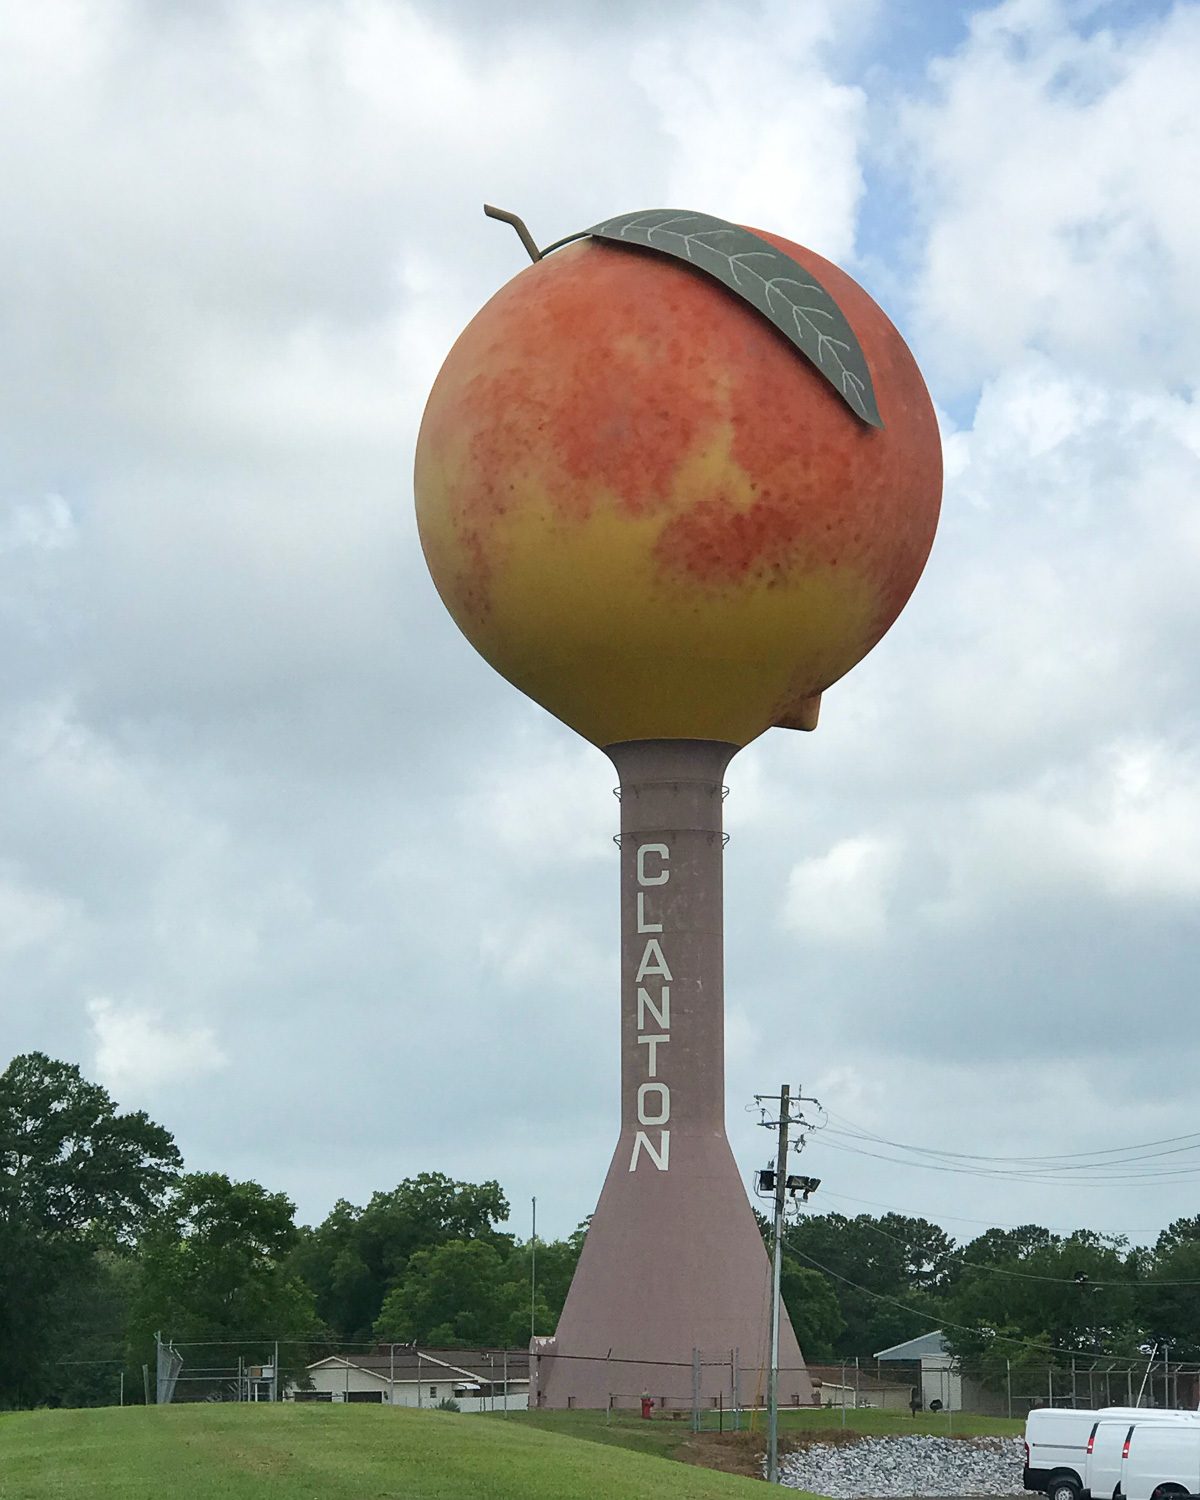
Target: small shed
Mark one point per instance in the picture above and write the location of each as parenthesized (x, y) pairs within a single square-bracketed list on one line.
[(846, 1385), (476, 1379), (941, 1378)]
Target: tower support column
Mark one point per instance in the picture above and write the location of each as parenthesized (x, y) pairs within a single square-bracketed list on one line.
[(673, 1260)]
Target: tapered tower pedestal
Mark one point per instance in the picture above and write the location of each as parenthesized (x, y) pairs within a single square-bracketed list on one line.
[(673, 1261)]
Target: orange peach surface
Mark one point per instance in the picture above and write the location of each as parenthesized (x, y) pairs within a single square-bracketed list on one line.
[(649, 511)]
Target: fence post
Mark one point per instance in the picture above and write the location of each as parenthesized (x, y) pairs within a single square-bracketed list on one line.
[(842, 1393), (1050, 1384), (1008, 1385), (1129, 1386), (695, 1389)]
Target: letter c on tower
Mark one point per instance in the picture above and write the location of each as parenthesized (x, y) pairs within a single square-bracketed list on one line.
[(663, 875)]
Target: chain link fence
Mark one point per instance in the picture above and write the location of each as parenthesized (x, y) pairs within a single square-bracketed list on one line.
[(265, 1370)]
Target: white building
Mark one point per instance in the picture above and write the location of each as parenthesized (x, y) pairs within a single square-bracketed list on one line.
[(941, 1379), (476, 1379)]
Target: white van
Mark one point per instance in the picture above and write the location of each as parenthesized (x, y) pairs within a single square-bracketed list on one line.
[(1056, 1439), (1107, 1446), (1162, 1461)]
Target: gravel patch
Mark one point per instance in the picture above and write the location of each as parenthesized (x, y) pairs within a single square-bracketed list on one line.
[(907, 1466)]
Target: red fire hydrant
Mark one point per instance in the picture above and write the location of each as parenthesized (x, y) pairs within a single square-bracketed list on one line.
[(647, 1406)]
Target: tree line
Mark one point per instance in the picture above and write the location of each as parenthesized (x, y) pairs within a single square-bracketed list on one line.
[(105, 1239)]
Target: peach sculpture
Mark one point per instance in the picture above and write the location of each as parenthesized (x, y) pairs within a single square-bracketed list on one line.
[(673, 481)]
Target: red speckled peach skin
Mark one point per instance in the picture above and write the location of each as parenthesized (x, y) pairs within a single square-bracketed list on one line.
[(616, 418)]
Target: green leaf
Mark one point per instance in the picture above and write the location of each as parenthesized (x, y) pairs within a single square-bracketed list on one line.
[(775, 285)]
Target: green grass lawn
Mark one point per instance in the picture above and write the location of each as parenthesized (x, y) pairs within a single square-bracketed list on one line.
[(895, 1423), (666, 1438), (286, 1452)]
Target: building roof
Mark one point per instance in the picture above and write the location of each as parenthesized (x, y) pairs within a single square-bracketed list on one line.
[(851, 1379), (481, 1366), (923, 1346)]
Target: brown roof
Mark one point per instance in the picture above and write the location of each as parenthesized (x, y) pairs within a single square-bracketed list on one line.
[(854, 1379), (481, 1365)]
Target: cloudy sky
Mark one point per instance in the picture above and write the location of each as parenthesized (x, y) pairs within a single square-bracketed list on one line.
[(283, 862)]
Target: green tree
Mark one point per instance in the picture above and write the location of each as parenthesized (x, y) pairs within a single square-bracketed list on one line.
[(812, 1305), (1166, 1306), (1037, 1299), (71, 1164), (886, 1274), (556, 1262), (453, 1294), (76, 1178), (216, 1266), (357, 1255), (478, 1291), (87, 1317)]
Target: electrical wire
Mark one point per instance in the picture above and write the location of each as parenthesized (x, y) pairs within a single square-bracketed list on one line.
[(937, 1218), (1091, 1281), (989, 1333), (1143, 1179), (862, 1133), (1120, 1165)]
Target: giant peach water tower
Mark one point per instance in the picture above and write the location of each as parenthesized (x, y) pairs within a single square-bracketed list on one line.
[(673, 481)]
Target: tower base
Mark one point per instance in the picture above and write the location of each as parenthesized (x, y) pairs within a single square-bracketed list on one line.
[(672, 1263)]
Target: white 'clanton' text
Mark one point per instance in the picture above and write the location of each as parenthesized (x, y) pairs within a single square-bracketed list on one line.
[(653, 985)]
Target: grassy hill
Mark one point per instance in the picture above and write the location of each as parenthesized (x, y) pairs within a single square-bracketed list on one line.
[(290, 1452)]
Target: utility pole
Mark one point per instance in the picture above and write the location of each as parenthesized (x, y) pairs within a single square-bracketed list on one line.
[(782, 1185), (533, 1273), (1146, 1376), (781, 1154)]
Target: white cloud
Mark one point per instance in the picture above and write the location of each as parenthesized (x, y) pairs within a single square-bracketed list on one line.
[(1057, 174), (844, 895), (28, 918), (546, 804), (45, 525), (136, 1053), (1127, 826), (765, 134), (247, 765)]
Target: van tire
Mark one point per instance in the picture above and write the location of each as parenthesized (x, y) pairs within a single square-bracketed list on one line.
[(1065, 1487), (1167, 1492)]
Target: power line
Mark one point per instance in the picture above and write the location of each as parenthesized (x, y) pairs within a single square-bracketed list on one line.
[(990, 1333), (1143, 1179), (975, 1265), (862, 1133), (963, 1219)]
